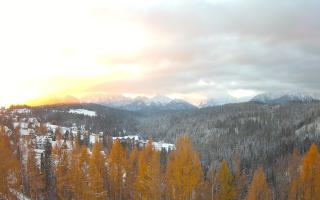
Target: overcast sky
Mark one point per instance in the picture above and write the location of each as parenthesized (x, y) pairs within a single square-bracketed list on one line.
[(187, 49)]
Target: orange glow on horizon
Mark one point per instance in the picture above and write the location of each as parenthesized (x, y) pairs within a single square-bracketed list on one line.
[(53, 89), (68, 54)]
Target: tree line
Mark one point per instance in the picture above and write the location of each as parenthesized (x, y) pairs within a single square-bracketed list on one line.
[(123, 173)]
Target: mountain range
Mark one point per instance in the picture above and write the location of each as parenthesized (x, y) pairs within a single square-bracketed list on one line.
[(161, 103), (211, 102), (141, 103), (164, 103), (258, 134)]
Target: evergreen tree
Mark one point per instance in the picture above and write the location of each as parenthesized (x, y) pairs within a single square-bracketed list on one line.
[(47, 170), (240, 179), (34, 175)]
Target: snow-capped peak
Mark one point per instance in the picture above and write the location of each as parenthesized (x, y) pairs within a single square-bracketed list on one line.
[(141, 103), (160, 99), (284, 97)]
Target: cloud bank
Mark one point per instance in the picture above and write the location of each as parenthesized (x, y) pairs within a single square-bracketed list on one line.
[(189, 48)]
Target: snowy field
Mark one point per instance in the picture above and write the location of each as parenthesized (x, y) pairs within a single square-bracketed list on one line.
[(83, 112)]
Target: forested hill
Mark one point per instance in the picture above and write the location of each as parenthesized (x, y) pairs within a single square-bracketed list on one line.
[(260, 133), (251, 129), (257, 134)]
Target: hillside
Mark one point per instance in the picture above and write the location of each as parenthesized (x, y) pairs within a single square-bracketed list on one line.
[(255, 131), (257, 134)]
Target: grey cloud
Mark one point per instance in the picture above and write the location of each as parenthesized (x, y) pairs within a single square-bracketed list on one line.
[(260, 45)]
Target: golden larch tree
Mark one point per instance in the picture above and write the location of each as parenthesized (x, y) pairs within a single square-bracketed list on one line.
[(211, 184), (84, 158), (78, 173), (259, 189), (63, 175), (131, 174), (9, 168), (147, 185), (184, 172), (294, 162), (97, 174), (310, 175), (226, 188), (116, 170)]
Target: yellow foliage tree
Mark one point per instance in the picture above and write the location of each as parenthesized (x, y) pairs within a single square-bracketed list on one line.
[(210, 184), (184, 172), (78, 172), (84, 158), (294, 162), (63, 176), (9, 168), (310, 175), (294, 190), (97, 174), (147, 185), (259, 189), (116, 170), (131, 174), (226, 188)]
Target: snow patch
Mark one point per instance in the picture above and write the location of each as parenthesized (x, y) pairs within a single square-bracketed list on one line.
[(130, 137), (83, 112), (158, 146)]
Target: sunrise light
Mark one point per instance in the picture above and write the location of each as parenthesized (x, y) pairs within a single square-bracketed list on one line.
[(63, 53)]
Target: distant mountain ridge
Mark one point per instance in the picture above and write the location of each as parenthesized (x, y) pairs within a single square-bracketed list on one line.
[(285, 97), (164, 103), (212, 102), (141, 103)]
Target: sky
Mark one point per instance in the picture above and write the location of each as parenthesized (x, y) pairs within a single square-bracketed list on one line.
[(191, 49)]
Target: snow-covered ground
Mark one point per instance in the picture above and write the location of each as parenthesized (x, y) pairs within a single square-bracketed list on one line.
[(158, 146), (83, 112), (131, 137), (93, 138), (52, 127), (22, 111)]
